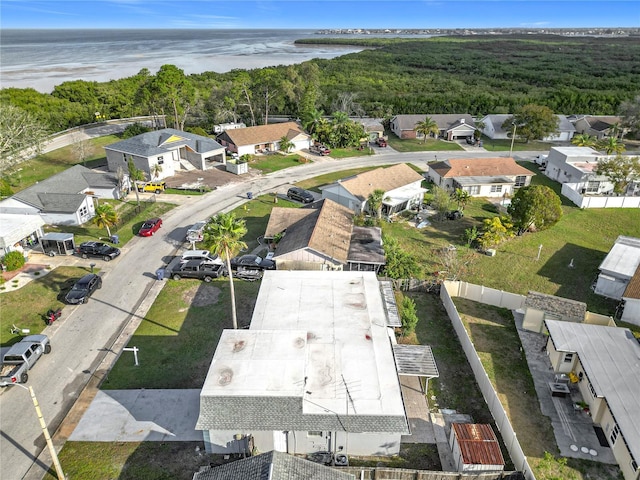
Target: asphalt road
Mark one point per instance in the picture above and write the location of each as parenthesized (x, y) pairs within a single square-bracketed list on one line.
[(80, 339)]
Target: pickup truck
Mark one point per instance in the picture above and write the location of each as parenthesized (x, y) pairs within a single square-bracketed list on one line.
[(381, 142), (21, 357), (319, 149), (179, 268)]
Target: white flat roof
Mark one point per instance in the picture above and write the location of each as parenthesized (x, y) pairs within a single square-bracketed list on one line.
[(624, 257), (576, 151), (311, 333), (610, 357), (15, 227)]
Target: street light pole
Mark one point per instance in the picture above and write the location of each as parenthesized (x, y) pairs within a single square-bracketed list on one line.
[(513, 137), (45, 431)]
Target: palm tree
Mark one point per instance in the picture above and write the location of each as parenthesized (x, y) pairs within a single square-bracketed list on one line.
[(340, 118), (584, 140), (611, 145), (106, 216), (156, 170), (222, 235), (461, 197), (285, 144), (426, 128), (374, 201), (311, 120), (135, 175), (479, 128)]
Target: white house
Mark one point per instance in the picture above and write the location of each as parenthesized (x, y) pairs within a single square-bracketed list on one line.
[(161, 153), (18, 231), (252, 140), (401, 184), (314, 372), (494, 130), (480, 177), (576, 166), (450, 126), (65, 198), (606, 362)]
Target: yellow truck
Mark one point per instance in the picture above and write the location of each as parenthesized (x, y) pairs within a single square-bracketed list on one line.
[(155, 187)]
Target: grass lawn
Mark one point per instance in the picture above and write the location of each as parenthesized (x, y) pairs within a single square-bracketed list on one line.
[(496, 341), (504, 145), (415, 145), (180, 333), (275, 162), (48, 164), (126, 231), (340, 153), (40, 295)]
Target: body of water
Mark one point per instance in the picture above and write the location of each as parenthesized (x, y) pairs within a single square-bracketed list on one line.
[(42, 59)]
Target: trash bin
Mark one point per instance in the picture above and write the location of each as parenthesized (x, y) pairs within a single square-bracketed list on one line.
[(160, 274), (115, 239), (250, 195)]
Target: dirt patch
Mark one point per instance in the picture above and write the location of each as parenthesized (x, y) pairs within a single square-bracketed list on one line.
[(201, 295), (213, 177)]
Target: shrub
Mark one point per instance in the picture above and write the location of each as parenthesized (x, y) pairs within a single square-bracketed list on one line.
[(13, 260), (135, 129), (408, 316)]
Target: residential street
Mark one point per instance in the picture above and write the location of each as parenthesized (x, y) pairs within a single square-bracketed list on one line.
[(86, 332)]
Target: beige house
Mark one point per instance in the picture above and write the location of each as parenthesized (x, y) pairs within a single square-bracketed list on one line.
[(600, 126), (402, 186), (321, 236), (264, 138), (606, 362), (481, 177)]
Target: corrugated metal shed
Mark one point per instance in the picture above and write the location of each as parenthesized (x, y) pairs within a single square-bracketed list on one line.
[(478, 444)]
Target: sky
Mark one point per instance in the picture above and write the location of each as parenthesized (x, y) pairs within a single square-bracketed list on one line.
[(318, 14)]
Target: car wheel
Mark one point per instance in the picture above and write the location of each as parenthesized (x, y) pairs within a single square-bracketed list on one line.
[(207, 279), (24, 378), (107, 258), (47, 348), (84, 255), (85, 300), (158, 191), (176, 277)]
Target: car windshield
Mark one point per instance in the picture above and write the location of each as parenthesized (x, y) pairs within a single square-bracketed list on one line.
[(80, 286), (147, 225)]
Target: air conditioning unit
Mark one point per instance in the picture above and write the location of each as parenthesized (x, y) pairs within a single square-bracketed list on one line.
[(491, 252)]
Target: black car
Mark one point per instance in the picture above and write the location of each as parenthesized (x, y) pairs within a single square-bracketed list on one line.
[(83, 289), (300, 194), (252, 262), (97, 249)]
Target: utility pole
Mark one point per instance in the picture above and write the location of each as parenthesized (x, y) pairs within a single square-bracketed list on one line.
[(513, 137)]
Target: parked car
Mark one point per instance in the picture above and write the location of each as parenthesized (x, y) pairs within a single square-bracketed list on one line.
[(202, 255), (21, 357), (155, 187), (252, 262), (83, 289), (381, 142), (97, 249), (541, 160), (149, 227), (471, 141), (320, 149), (300, 195)]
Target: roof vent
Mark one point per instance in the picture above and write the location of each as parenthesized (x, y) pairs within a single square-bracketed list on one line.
[(462, 120)]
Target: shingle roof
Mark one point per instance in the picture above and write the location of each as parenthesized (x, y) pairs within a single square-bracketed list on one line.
[(610, 358), (601, 122), (163, 141), (556, 305), (386, 179), (61, 192), (263, 133), (324, 226), (444, 121), (633, 289), (272, 466), (479, 167)]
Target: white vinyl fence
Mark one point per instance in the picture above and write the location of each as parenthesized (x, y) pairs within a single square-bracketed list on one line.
[(599, 201), (501, 299)]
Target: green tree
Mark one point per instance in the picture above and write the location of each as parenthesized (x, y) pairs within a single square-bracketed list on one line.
[(480, 125), (630, 113), (21, 136), (427, 128), (176, 90), (461, 197), (441, 201), (620, 171), (135, 175), (399, 264), (105, 217), (584, 140), (374, 202), (223, 235), (611, 145), (285, 144), (495, 231), (535, 206), (311, 119), (408, 315), (534, 122)]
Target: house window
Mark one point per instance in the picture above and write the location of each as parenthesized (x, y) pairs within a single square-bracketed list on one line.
[(474, 190), (314, 434), (634, 465), (160, 160), (521, 180), (496, 188), (83, 211), (593, 187), (568, 357), (124, 158), (614, 434)]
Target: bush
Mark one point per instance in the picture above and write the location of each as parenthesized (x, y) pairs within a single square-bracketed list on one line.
[(135, 129), (408, 316), (13, 261)]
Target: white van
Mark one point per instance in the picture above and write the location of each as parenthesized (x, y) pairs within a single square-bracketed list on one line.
[(196, 232), (203, 255)]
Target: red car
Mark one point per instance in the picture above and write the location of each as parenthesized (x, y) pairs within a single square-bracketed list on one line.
[(381, 142), (150, 227)]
